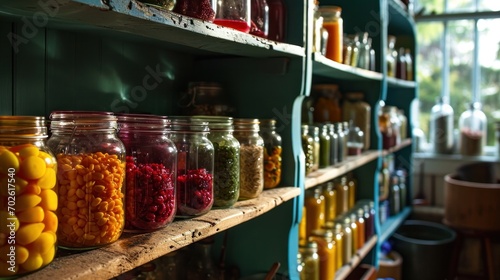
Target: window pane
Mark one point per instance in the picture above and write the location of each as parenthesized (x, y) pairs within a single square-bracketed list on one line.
[(436, 6), (461, 6), (489, 59), (430, 58), (489, 5)]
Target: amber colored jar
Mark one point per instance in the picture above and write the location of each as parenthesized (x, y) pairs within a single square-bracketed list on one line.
[(333, 23), (360, 222), (327, 252), (326, 105), (342, 195), (315, 205), (352, 185), (351, 219), (303, 227), (28, 196), (308, 261), (346, 240), (330, 195)]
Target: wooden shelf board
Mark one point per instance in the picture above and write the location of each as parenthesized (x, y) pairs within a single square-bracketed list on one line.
[(133, 250), (345, 270), (329, 68), (405, 143)]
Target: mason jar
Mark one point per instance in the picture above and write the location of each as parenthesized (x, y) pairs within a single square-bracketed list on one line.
[(151, 162), (272, 153), (308, 261), (29, 200), (251, 157), (195, 166), (315, 209), (308, 149), (90, 178), (226, 160)]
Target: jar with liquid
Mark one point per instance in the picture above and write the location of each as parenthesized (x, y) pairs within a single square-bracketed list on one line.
[(235, 14), (308, 261), (195, 166), (327, 251), (277, 20), (351, 219), (342, 142), (315, 208), (272, 153), (355, 140), (441, 127), (28, 194), (384, 179), (259, 15), (347, 239), (330, 195), (364, 50), (360, 223), (326, 106), (333, 23), (314, 133), (389, 125), (342, 189), (390, 56), (151, 164), (472, 125), (246, 132), (324, 146), (89, 153), (307, 142), (394, 196), (352, 184), (356, 109)]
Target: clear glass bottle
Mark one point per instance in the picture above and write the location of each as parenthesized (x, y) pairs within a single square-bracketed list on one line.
[(326, 106), (347, 239), (234, 14), (352, 185), (389, 125), (330, 195), (308, 261), (441, 127), (355, 140), (308, 148), (201, 9), (347, 49), (327, 252), (409, 65), (314, 133), (401, 173), (28, 194), (151, 163), (373, 57), (356, 109), (334, 142), (333, 23), (251, 157), (472, 125), (342, 142), (259, 18), (277, 20), (195, 166), (90, 177), (364, 50), (226, 160), (315, 208), (324, 146), (272, 153), (355, 50), (403, 124), (390, 56)]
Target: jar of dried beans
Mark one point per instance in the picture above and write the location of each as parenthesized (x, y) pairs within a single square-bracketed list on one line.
[(90, 177), (150, 171), (195, 166), (251, 157), (226, 160), (272, 153), (27, 195)]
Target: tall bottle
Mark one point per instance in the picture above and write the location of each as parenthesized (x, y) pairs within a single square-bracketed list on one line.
[(472, 125), (441, 126), (391, 56)]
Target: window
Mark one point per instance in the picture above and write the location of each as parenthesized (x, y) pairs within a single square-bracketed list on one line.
[(459, 57)]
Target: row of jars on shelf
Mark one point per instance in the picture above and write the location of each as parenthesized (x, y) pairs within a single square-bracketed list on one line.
[(327, 249), (399, 60), (87, 182), (392, 189), (393, 125), (263, 18)]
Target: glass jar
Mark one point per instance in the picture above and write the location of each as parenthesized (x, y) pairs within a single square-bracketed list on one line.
[(389, 127), (360, 223), (303, 227), (29, 200), (384, 179), (205, 98), (355, 140), (401, 173), (226, 160), (394, 196), (409, 65), (234, 14), (314, 133), (90, 178), (351, 219), (347, 49), (201, 9), (326, 105), (330, 195), (324, 146), (315, 205), (352, 184), (259, 15), (308, 148), (334, 143), (342, 142), (347, 238), (342, 195), (277, 20), (364, 50), (163, 4), (272, 153), (327, 252), (251, 157), (195, 166), (151, 162), (356, 109), (373, 57), (308, 261), (333, 23), (200, 263), (472, 125), (355, 50), (401, 64), (403, 124), (390, 56), (441, 127)]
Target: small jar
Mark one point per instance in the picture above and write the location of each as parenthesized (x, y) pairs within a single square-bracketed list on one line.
[(395, 196), (330, 195), (200, 9), (360, 223), (315, 205), (364, 50), (195, 166), (308, 261), (307, 142), (277, 20), (29, 200), (150, 171), (334, 143), (234, 14), (226, 160), (90, 178), (333, 23), (324, 146), (390, 56), (356, 109), (251, 157), (472, 125), (327, 252), (326, 106), (272, 153), (314, 133)]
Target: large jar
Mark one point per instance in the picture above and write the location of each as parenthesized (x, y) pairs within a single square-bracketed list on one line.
[(356, 109), (150, 171), (195, 166), (333, 23), (251, 157), (326, 105), (272, 153), (441, 127), (90, 177), (472, 125), (226, 160), (27, 212)]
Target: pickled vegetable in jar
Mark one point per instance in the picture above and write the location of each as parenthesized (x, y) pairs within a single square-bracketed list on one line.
[(151, 164), (272, 153), (195, 166), (27, 190), (90, 178), (308, 149)]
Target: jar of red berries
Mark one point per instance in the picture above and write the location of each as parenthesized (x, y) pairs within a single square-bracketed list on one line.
[(195, 166), (151, 162)]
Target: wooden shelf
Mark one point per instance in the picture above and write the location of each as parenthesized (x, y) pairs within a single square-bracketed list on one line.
[(345, 270), (405, 143), (326, 174), (328, 68), (129, 17), (133, 250)]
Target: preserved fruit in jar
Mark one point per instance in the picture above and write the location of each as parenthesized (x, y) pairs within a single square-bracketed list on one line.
[(272, 153)]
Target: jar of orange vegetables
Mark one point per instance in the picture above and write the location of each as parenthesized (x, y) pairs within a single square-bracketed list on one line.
[(29, 201)]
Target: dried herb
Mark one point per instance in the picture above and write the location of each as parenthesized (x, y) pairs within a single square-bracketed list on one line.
[(226, 174)]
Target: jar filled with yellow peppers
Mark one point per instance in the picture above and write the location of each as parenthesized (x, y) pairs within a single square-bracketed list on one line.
[(272, 153), (27, 192), (90, 178)]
